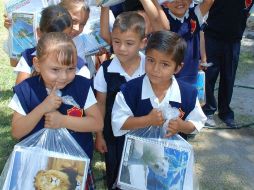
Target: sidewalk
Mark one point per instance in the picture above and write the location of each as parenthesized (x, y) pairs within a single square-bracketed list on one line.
[(225, 157)]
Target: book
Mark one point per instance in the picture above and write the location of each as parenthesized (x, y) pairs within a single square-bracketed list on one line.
[(149, 163), (46, 170), (22, 33), (24, 5)]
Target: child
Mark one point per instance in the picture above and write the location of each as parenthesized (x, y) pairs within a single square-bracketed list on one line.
[(57, 97), (128, 37), (53, 19), (137, 102), (186, 22)]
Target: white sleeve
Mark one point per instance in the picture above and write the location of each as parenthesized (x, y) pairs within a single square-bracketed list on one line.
[(90, 100), (16, 105), (23, 66), (197, 117), (120, 113), (99, 81), (201, 18), (84, 72)]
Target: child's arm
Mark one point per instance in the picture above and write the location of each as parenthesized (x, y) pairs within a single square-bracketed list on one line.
[(104, 25), (156, 15), (21, 76), (205, 6), (100, 143), (22, 125), (193, 122), (123, 119), (92, 121)]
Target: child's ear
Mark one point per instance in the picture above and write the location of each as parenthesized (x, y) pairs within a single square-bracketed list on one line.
[(178, 68), (143, 43), (38, 32), (36, 64)]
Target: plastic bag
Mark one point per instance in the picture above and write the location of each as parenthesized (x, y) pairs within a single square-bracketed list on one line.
[(104, 3), (25, 15), (50, 158), (200, 85), (151, 161)]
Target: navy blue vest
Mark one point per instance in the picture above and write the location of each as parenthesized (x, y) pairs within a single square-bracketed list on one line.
[(189, 30), (114, 81), (31, 92), (132, 92), (27, 55)]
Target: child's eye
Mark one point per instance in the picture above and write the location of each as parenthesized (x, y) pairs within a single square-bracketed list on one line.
[(72, 68), (165, 65), (130, 43), (55, 69), (149, 60)]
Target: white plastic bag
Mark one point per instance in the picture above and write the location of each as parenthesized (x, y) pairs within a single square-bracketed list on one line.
[(104, 3), (50, 158)]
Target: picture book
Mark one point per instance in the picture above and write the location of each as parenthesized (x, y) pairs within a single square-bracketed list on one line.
[(22, 33), (153, 164)]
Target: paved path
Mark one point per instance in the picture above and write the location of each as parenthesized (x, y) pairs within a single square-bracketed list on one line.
[(225, 157)]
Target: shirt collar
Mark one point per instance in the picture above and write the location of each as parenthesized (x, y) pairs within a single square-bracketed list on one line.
[(173, 93), (116, 67), (186, 15)]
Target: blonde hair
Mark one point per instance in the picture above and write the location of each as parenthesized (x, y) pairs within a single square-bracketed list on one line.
[(58, 44)]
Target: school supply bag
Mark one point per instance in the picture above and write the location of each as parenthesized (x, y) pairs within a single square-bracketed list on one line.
[(48, 159), (151, 161)]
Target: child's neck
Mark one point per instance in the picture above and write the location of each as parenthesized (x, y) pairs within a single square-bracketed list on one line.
[(160, 91), (131, 65)]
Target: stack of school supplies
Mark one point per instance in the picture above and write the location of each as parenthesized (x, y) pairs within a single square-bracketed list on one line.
[(48, 159), (25, 16)]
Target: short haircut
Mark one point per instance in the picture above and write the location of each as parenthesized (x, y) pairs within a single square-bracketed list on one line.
[(168, 42), (55, 18), (130, 21), (58, 44)]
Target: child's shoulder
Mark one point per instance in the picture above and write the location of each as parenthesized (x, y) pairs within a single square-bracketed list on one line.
[(133, 84)]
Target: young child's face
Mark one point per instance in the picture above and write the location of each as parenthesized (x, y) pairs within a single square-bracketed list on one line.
[(126, 44), (79, 19), (178, 7), (160, 67), (54, 73)]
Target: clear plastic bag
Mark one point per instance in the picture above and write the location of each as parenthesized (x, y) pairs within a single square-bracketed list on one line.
[(50, 158), (152, 161), (25, 15)]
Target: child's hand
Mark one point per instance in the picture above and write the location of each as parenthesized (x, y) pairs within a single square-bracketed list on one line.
[(174, 126), (53, 120), (52, 102), (7, 22), (156, 117), (100, 144)]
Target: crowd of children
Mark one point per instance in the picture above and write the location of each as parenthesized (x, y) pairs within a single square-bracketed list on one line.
[(155, 61)]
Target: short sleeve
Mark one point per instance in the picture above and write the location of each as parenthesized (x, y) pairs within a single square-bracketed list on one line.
[(120, 113), (99, 81), (23, 66), (90, 100), (16, 105), (197, 116)]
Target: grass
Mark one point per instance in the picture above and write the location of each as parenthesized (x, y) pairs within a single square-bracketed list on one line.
[(7, 79)]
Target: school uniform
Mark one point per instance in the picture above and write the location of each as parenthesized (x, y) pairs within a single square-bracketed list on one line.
[(108, 79), (77, 96), (25, 64), (137, 98), (225, 26), (188, 27)]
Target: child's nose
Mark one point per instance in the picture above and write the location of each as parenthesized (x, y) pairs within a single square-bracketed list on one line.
[(63, 75)]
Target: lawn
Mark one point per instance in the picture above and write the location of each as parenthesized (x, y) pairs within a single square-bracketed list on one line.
[(7, 79)]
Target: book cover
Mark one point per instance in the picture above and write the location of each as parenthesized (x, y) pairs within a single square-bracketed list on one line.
[(46, 170), (24, 5), (22, 32), (153, 164)]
